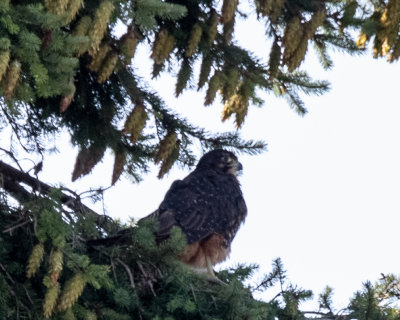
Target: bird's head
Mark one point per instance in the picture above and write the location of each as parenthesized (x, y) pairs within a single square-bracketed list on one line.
[(222, 161)]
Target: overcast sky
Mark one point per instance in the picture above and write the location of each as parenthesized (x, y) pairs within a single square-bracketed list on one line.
[(324, 197)]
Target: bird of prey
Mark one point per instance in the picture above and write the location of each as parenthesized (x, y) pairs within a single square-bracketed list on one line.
[(208, 206)]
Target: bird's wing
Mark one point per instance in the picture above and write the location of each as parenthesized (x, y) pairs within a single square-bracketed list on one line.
[(201, 204)]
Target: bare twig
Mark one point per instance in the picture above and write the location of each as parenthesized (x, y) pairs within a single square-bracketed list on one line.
[(327, 316), (7, 274), (10, 289), (28, 296), (19, 303), (141, 268), (113, 269), (276, 296), (157, 270), (98, 190), (149, 281), (11, 155), (129, 272), (195, 300), (11, 229), (14, 127)]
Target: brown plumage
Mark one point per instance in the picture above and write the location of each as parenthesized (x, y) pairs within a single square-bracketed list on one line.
[(208, 206)]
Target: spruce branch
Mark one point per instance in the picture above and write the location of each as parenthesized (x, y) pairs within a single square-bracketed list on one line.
[(301, 81), (12, 183), (166, 120)]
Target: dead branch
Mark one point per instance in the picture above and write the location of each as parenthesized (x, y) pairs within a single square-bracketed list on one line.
[(12, 228), (128, 271), (150, 279), (13, 178), (6, 273), (326, 316)]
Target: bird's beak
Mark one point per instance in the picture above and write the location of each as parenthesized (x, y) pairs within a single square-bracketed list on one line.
[(239, 167)]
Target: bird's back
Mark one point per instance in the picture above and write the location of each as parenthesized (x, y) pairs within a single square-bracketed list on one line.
[(203, 203)]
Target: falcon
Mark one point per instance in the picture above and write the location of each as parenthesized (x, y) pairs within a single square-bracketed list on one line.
[(208, 206)]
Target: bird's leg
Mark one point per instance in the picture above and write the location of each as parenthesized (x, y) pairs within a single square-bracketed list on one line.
[(211, 275), (210, 270)]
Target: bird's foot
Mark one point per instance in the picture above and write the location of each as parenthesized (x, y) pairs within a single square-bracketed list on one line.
[(213, 278), (211, 275)]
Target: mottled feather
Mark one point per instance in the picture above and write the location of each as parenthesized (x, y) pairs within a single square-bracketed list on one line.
[(207, 205)]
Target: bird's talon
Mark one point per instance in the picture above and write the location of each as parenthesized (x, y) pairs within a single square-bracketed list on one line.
[(214, 279)]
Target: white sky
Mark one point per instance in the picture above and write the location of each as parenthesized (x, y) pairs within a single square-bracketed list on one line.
[(324, 198)]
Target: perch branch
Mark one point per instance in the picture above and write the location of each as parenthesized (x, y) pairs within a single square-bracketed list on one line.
[(13, 178)]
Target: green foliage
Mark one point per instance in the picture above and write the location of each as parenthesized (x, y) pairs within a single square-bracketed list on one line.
[(183, 77), (388, 288), (44, 50), (97, 276), (364, 304), (148, 10), (325, 299), (58, 44), (176, 242), (44, 220), (140, 279), (126, 299), (63, 66), (379, 301), (56, 90)]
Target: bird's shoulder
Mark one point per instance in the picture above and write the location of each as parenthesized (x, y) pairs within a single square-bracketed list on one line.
[(199, 186), (204, 181), (203, 202)]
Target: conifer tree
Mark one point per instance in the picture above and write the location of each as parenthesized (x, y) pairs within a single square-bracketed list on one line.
[(62, 67)]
